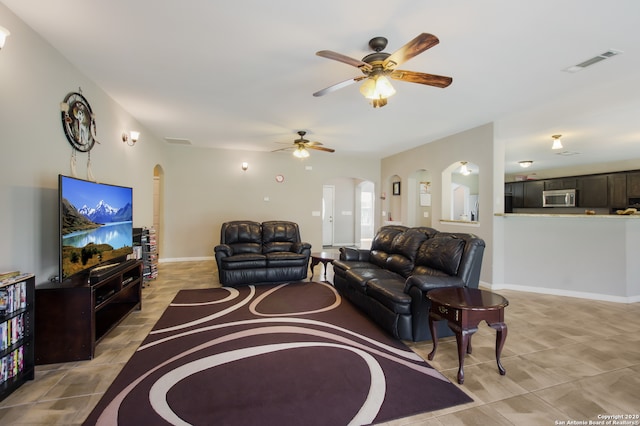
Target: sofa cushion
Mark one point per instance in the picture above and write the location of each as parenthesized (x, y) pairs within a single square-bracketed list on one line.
[(361, 276), (404, 247), (279, 236), (244, 261), (439, 255), (381, 246), (390, 293), (242, 236), (284, 258)]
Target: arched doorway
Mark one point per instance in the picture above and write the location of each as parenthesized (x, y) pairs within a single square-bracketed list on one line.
[(158, 213)]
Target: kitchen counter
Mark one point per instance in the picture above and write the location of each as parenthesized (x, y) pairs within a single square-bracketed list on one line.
[(590, 216), (578, 255)]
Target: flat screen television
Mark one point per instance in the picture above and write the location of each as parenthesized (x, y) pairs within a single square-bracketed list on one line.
[(96, 224)]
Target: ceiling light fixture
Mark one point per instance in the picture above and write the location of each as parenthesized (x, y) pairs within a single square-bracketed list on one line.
[(130, 138), (525, 163), (557, 143), (245, 166), (378, 89), (464, 169), (4, 33), (300, 152)]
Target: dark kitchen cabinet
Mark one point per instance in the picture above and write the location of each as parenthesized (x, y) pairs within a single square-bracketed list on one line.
[(617, 184), (560, 183), (533, 193), (593, 191), (633, 185), (516, 190)]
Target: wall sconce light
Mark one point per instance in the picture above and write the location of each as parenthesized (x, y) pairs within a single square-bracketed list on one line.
[(557, 143), (130, 138), (4, 33), (525, 163), (245, 166), (463, 169)]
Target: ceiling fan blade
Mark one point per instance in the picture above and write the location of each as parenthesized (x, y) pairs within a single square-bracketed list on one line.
[(415, 47), (338, 86), (321, 148), (283, 149), (313, 143), (422, 78), (344, 59)]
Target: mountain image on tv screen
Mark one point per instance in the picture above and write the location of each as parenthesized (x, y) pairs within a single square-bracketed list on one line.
[(96, 224)]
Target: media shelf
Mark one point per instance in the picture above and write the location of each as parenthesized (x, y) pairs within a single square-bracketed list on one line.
[(73, 316), (145, 238), (16, 333)]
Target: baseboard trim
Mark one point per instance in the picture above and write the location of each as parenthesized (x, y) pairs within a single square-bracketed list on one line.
[(560, 292), (184, 259)]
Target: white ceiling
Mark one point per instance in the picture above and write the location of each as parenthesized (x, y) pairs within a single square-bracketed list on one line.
[(240, 75)]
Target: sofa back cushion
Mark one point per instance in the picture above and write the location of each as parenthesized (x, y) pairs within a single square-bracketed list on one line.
[(279, 235), (382, 243), (404, 249), (242, 236), (440, 255)]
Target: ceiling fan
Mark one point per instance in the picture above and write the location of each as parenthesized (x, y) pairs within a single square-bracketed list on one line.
[(301, 146), (379, 65)]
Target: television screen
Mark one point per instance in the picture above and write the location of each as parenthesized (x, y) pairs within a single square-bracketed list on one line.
[(96, 224)]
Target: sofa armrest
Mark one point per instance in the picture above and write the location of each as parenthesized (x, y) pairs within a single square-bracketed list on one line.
[(347, 253), (300, 247), (430, 282), (223, 250)]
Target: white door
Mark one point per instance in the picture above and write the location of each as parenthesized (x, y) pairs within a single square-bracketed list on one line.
[(328, 194)]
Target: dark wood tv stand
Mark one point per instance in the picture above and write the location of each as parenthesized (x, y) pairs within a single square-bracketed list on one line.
[(74, 315)]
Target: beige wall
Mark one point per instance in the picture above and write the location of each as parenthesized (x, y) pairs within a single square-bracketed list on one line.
[(206, 187), (34, 79), (201, 187), (475, 146)]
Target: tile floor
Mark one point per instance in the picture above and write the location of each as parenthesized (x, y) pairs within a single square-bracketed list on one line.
[(567, 360)]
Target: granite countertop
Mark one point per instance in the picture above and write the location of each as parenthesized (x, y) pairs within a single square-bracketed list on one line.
[(590, 216)]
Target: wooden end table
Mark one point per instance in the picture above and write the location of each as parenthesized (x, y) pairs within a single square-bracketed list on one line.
[(323, 257), (464, 308)]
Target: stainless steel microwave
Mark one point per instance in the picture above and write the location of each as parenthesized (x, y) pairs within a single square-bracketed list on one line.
[(559, 198)]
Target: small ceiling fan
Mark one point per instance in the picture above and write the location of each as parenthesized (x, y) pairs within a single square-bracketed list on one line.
[(379, 65), (301, 146)]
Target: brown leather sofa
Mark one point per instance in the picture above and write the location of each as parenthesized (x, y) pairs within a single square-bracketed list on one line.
[(389, 282), (255, 253)]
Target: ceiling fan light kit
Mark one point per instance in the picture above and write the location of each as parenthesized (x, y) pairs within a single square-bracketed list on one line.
[(302, 146), (300, 152), (379, 65)]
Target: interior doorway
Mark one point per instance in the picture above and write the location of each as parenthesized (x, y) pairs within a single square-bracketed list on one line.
[(328, 202)]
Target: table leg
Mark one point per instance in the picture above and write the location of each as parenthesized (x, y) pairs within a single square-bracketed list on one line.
[(462, 338), (314, 262), (434, 337), (501, 336)]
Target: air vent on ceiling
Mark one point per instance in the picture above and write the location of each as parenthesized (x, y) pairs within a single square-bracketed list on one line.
[(567, 153), (601, 57), (178, 141)]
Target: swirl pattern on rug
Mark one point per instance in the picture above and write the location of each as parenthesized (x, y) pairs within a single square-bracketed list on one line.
[(293, 353)]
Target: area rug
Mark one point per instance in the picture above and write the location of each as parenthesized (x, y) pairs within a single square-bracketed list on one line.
[(289, 354)]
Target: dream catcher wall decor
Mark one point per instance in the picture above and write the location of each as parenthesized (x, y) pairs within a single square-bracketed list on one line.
[(79, 125)]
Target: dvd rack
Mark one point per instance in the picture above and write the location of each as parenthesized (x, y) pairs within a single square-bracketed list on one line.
[(145, 238), (16, 332)]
